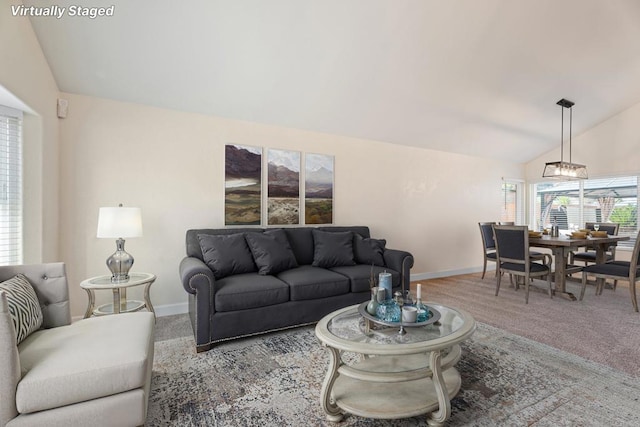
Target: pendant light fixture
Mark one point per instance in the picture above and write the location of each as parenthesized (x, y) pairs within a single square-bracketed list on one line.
[(565, 170)]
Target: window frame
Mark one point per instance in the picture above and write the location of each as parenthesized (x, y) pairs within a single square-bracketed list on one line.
[(11, 188), (519, 199)]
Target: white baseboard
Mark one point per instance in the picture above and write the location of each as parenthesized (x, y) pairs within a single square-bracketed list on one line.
[(448, 273), (171, 309)]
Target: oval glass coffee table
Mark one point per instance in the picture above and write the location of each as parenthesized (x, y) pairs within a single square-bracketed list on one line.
[(374, 372)]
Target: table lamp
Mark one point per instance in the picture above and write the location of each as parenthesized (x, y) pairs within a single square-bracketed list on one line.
[(119, 222)]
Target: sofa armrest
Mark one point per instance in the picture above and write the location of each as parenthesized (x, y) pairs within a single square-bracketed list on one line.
[(9, 364), (196, 275), (400, 261), (197, 279)]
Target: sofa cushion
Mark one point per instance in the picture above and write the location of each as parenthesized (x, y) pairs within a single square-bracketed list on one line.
[(23, 306), (360, 274), (226, 255), (88, 359), (271, 251), (332, 249), (250, 290), (308, 282), (368, 251), (301, 241)]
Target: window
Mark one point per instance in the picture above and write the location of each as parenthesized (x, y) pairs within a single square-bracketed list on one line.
[(10, 186), (572, 203), (511, 202)]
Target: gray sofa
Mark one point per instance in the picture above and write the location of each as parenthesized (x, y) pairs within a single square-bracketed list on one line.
[(93, 372), (245, 281)]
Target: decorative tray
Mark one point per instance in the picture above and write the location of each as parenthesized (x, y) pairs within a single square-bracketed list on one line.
[(433, 318)]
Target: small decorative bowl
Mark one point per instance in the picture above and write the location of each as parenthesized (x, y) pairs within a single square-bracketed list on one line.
[(535, 234), (598, 234), (579, 235)]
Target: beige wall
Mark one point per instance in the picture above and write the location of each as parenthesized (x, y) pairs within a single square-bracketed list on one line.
[(171, 163), (24, 72)]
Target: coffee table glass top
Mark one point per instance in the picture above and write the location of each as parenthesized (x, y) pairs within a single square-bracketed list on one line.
[(348, 325)]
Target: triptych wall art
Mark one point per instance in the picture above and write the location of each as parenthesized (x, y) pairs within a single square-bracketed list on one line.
[(243, 186)]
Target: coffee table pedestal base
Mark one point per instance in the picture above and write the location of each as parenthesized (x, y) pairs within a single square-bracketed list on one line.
[(367, 389), (392, 400)]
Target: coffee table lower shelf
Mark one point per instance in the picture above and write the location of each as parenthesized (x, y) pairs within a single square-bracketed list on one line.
[(392, 400)]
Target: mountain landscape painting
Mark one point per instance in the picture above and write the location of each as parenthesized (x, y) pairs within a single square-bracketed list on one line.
[(318, 181), (283, 187), (242, 185)]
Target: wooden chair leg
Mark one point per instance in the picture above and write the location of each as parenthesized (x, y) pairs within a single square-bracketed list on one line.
[(549, 283), (484, 268), (584, 285), (526, 289), (498, 278), (634, 299)]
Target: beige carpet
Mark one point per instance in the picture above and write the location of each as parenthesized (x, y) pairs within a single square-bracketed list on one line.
[(604, 328)]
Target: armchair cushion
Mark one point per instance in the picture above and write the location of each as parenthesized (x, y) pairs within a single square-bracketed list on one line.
[(89, 359), (332, 249), (23, 306), (226, 255)]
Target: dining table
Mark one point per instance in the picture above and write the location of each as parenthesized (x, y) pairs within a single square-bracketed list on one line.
[(562, 245)]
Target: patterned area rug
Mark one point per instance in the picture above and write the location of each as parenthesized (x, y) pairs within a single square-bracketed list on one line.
[(275, 380)]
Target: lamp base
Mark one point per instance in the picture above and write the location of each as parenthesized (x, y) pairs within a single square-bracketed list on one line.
[(119, 263)]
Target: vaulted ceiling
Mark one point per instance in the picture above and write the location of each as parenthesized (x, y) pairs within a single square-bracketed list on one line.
[(478, 77)]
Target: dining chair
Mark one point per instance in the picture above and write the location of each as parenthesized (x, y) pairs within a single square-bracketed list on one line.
[(512, 249), (488, 245), (589, 256), (616, 270)]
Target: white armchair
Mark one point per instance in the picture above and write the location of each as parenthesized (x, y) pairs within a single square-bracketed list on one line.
[(96, 371)]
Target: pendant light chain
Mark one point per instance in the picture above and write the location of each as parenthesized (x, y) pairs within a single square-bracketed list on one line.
[(570, 130), (562, 135)]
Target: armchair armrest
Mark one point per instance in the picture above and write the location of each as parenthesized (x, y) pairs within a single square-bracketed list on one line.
[(401, 261), (197, 279), (9, 364)]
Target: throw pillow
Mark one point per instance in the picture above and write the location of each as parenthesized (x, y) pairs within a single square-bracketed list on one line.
[(332, 249), (226, 254), (271, 251), (369, 251), (24, 306)]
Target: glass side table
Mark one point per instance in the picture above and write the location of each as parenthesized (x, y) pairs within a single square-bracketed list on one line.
[(120, 303)]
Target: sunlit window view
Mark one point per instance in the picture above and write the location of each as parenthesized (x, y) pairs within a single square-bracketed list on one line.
[(570, 204)]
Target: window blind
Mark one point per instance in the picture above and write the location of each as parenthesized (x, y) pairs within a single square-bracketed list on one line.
[(10, 186)]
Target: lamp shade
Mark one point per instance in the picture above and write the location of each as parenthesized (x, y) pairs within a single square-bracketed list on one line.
[(565, 171), (119, 222)]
